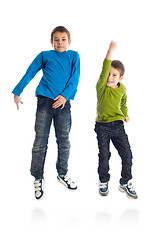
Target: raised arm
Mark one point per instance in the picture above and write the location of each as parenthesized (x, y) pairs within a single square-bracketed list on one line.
[(106, 67), (112, 47)]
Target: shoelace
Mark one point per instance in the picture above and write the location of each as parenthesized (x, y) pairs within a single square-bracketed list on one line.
[(131, 187), (102, 185), (37, 186), (68, 180)]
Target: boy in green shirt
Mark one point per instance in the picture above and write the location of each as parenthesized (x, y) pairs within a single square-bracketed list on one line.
[(111, 113)]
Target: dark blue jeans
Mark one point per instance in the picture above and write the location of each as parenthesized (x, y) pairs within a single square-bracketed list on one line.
[(62, 124), (115, 132)]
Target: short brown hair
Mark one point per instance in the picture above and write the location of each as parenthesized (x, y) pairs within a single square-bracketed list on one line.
[(60, 29), (118, 65)]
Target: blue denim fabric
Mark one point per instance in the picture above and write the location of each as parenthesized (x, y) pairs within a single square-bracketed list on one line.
[(115, 132), (62, 124)]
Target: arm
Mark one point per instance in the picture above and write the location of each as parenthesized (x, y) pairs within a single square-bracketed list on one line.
[(71, 86), (72, 83), (112, 47), (124, 108), (35, 66), (106, 66)]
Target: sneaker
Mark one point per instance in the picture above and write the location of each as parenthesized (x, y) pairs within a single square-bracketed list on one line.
[(129, 190), (68, 183), (103, 189), (38, 185)]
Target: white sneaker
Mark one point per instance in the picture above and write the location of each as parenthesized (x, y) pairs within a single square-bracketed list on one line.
[(129, 190), (103, 189), (67, 182), (38, 185)]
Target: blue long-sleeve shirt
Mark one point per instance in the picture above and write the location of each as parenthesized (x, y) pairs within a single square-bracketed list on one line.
[(61, 72)]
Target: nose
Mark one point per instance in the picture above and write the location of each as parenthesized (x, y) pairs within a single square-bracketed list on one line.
[(60, 42)]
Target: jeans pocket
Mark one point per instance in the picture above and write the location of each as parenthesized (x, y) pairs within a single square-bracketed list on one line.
[(67, 105), (41, 100)]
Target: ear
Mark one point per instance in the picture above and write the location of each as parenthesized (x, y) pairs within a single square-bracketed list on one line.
[(121, 78), (69, 42), (51, 43)]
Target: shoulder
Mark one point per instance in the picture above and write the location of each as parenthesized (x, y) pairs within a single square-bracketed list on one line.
[(122, 87), (49, 55), (73, 54), (46, 53)]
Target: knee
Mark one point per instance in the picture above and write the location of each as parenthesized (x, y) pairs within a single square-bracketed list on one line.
[(40, 143), (104, 155), (64, 143)]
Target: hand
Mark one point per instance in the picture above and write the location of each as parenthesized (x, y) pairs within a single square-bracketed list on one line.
[(17, 100), (60, 101), (112, 47), (127, 119)]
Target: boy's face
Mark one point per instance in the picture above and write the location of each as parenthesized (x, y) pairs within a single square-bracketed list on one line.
[(113, 78), (60, 41)]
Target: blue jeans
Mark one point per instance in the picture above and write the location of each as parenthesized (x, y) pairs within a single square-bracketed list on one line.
[(115, 132), (62, 124)]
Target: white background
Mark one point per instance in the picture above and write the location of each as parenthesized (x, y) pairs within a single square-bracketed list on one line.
[(25, 31)]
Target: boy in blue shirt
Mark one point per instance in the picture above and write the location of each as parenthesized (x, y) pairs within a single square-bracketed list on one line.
[(61, 72)]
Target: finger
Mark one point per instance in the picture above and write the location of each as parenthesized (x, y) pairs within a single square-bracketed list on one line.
[(55, 105), (56, 98), (17, 106), (62, 105)]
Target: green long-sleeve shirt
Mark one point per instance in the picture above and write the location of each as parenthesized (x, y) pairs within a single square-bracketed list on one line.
[(111, 102)]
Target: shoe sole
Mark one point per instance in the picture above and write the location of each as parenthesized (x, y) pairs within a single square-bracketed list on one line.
[(65, 184), (104, 194), (129, 196), (40, 197)]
